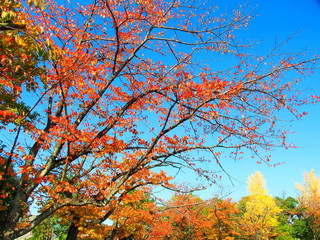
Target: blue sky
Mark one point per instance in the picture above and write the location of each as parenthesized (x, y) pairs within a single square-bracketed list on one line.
[(278, 20)]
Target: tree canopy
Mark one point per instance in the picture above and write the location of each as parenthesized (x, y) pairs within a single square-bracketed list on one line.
[(103, 97)]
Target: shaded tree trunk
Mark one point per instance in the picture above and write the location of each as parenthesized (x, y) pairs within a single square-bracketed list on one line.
[(73, 230)]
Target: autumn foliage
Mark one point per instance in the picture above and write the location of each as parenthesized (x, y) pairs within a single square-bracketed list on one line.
[(260, 217), (309, 200), (257, 216), (187, 216), (101, 99)]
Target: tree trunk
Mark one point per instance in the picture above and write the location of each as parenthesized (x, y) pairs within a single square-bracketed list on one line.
[(73, 230), (12, 217)]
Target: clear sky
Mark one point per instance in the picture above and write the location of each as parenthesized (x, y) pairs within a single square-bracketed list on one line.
[(280, 19)]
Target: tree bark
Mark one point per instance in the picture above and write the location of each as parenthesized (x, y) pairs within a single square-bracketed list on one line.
[(11, 26), (13, 216), (73, 230)]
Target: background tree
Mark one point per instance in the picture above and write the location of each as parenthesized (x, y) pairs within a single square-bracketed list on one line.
[(219, 220), (309, 201), (301, 226), (181, 218), (186, 216), (126, 94), (260, 217), (50, 229), (287, 218)]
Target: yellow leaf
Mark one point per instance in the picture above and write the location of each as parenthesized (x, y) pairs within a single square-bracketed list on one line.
[(20, 41), (257, 184), (17, 68)]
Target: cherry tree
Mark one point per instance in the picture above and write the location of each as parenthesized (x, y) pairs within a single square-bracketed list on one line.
[(129, 89)]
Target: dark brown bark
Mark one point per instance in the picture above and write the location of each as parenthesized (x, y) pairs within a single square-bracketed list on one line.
[(73, 230), (11, 26)]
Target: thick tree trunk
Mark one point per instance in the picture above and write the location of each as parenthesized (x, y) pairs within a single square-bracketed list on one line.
[(13, 216), (73, 230)]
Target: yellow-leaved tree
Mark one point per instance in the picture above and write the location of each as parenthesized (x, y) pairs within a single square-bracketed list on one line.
[(309, 201), (260, 211)]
